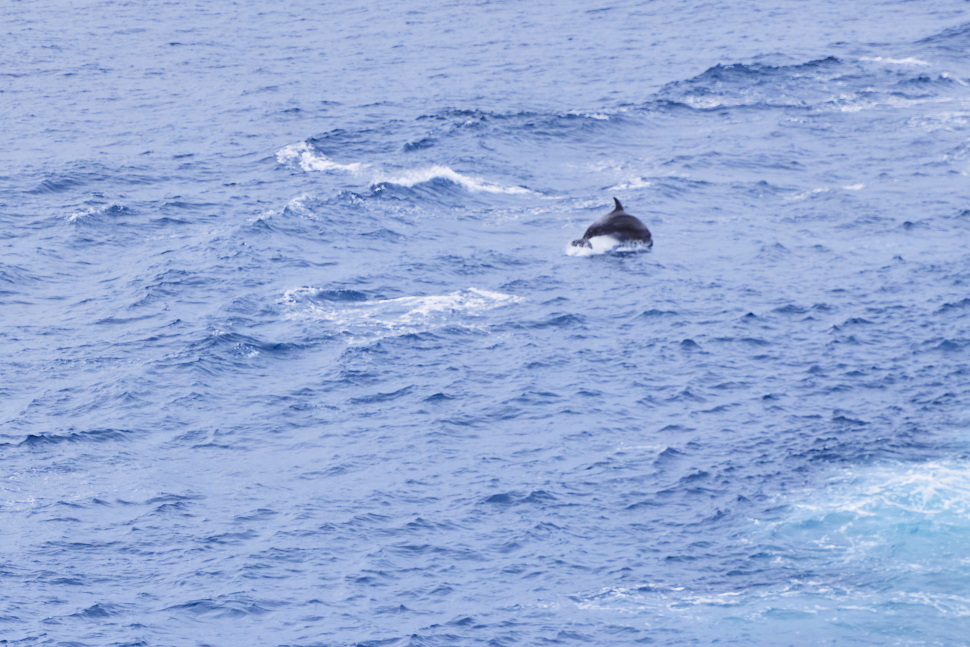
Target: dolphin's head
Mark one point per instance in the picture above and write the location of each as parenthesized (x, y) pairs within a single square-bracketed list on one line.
[(582, 242)]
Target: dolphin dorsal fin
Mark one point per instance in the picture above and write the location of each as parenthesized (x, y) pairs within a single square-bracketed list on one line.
[(619, 207)]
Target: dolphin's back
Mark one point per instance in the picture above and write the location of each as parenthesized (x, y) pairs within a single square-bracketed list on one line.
[(621, 226), (617, 224)]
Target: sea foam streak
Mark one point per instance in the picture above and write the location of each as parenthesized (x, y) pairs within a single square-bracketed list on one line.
[(894, 61), (378, 318), (303, 155)]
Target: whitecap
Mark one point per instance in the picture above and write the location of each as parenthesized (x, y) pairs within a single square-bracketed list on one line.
[(849, 104), (378, 318), (95, 212), (894, 61), (412, 177), (310, 160), (84, 213), (598, 116)]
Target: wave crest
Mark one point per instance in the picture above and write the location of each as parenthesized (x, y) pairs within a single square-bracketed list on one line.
[(368, 320), (306, 158), (411, 177)]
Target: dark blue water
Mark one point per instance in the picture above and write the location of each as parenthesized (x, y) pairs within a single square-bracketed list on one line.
[(294, 349)]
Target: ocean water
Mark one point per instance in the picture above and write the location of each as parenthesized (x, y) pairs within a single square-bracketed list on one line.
[(295, 352)]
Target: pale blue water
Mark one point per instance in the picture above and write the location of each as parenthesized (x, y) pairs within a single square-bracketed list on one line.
[(294, 350)]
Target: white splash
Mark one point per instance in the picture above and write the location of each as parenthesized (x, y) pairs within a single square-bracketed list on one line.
[(297, 205), (411, 177), (602, 245), (310, 160), (375, 319), (849, 103), (894, 61), (304, 156), (84, 213), (95, 212), (598, 116)]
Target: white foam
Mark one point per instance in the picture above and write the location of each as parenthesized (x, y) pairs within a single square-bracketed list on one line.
[(929, 489), (94, 212), (599, 116), (306, 158), (819, 190), (379, 318), (84, 213), (894, 61), (847, 103), (867, 516), (602, 245), (297, 205), (880, 540), (310, 160), (411, 177), (949, 121), (635, 183)]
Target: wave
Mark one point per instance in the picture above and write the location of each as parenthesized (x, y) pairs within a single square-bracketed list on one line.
[(234, 605), (824, 83), (755, 85), (632, 183), (15, 275), (461, 118), (368, 319), (820, 190), (94, 435), (309, 159), (97, 212), (412, 177), (875, 542), (956, 37), (379, 164), (910, 60)]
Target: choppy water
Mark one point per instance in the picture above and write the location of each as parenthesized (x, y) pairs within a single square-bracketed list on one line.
[(295, 352)]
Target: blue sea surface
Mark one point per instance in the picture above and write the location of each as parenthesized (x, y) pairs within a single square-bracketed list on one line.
[(294, 350)]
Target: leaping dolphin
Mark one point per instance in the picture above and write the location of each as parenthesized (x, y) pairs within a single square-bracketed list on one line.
[(619, 225)]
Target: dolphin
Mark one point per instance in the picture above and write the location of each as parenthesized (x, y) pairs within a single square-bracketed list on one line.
[(617, 224)]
